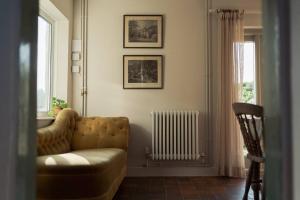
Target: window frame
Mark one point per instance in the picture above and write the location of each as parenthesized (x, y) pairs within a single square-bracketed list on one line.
[(255, 35), (46, 17), (62, 50), (250, 39)]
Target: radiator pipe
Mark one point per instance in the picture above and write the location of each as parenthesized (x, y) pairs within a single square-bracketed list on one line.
[(84, 31)]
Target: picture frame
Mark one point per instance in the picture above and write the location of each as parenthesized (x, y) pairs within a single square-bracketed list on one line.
[(142, 72), (143, 31)]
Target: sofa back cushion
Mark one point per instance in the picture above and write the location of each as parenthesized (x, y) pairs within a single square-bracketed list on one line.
[(101, 132), (56, 138)]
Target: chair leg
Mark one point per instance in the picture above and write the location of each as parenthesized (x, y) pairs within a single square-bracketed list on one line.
[(256, 180), (263, 195), (248, 181)]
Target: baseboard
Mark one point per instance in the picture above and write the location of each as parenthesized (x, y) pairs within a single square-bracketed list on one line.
[(171, 171)]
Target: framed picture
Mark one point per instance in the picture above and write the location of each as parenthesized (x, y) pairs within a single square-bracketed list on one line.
[(143, 31), (142, 71)]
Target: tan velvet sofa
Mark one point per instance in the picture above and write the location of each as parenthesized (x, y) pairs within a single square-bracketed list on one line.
[(81, 157)]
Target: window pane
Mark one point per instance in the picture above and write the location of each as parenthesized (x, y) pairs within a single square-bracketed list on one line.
[(249, 90), (43, 65)]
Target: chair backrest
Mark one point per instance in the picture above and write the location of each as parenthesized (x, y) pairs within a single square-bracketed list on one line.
[(251, 120)]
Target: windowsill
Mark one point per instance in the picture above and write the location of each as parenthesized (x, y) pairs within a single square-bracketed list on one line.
[(44, 121)]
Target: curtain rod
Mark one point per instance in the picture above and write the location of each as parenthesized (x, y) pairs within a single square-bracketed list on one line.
[(245, 11)]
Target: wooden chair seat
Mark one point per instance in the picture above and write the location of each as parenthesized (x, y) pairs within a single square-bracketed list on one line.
[(255, 158)]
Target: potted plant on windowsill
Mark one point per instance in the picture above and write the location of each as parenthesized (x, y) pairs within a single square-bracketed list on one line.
[(56, 106)]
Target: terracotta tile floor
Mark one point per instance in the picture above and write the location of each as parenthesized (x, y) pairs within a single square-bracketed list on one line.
[(181, 188)]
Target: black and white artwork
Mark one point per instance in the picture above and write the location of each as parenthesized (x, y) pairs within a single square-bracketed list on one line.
[(143, 31), (142, 72)]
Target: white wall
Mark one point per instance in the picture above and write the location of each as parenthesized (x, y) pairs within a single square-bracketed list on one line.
[(184, 65), (185, 76), (242, 4), (65, 6)]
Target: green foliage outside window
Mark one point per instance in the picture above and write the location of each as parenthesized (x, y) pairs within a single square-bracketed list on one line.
[(248, 92), (56, 106), (247, 97)]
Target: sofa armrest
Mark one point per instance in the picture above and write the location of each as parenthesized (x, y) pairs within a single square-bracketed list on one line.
[(56, 138), (101, 132)]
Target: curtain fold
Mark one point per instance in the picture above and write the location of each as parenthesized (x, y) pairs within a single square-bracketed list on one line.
[(230, 159), (259, 69)]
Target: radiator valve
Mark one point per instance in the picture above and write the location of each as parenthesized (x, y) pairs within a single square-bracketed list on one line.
[(147, 152)]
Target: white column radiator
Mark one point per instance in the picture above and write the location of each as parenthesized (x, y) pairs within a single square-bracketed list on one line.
[(175, 135)]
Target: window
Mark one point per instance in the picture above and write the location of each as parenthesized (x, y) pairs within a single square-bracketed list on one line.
[(252, 74), (44, 65), (249, 78), (252, 82)]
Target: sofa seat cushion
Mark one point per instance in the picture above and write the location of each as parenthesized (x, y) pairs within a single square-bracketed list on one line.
[(83, 173), (81, 161)]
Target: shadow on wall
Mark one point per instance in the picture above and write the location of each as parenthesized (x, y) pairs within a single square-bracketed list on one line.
[(139, 138)]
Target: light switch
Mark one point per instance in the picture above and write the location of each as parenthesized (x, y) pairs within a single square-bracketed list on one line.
[(75, 68), (76, 56), (76, 45)]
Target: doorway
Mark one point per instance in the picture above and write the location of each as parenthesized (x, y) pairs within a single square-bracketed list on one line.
[(18, 85)]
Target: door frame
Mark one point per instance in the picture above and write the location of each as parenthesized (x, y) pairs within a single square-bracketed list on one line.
[(18, 38), (277, 99)]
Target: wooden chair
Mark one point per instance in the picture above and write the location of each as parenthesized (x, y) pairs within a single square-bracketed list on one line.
[(249, 116)]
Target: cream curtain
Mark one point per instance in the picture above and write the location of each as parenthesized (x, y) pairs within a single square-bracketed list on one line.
[(230, 159), (259, 69)]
